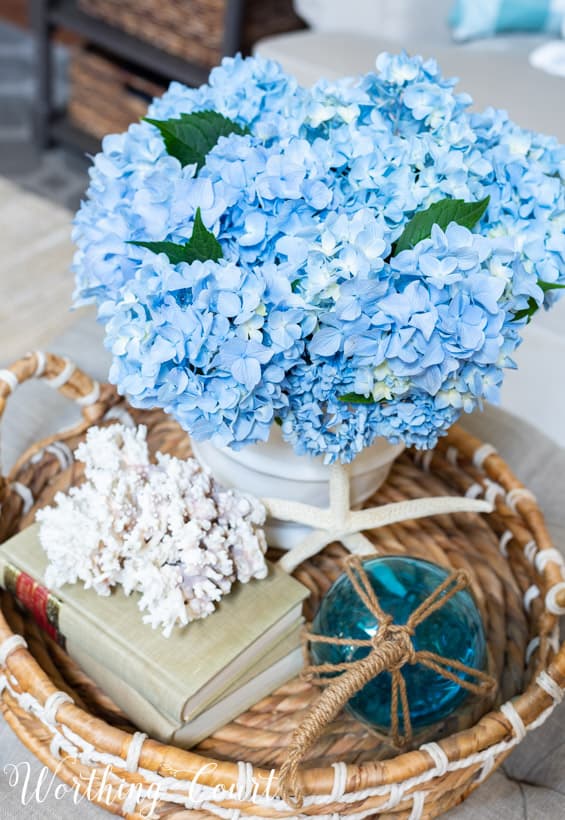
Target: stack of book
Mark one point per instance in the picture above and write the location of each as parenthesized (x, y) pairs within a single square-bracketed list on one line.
[(178, 689)]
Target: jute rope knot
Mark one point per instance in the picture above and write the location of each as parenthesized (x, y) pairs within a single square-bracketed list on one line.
[(390, 649), (403, 636)]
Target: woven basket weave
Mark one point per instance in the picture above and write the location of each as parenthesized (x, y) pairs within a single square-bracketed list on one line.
[(516, 577), (194, 29), (106, 97)]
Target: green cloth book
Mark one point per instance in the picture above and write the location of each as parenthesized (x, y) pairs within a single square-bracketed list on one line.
[(184, 675), (280, 665)]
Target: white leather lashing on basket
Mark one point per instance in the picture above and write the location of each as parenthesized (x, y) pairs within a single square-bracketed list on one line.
[(60, 743), (551, 599), (134, 751), (340, 781), (505, 539), (25, 494), (130, 803), (396, 795), (121, 415), (531, 648), (546, 682), (487, 768), (427, 460), (493, 490), (41, 363), (474, 491), (509, 711), (58, 381), (482, 453), (244, 780), (529, 596), (438, 756), (518, 494), (544, 557), (530, 551), (61, 452), (9, 378), (418, 801), (10, 645), (91, 398), (54, 703)]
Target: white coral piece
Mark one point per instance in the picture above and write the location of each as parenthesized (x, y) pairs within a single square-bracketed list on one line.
[(164, 529)]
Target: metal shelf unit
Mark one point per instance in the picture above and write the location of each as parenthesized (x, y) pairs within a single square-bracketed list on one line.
[(51, 126)]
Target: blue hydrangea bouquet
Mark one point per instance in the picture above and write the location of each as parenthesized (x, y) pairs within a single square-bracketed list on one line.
[(352, 262)]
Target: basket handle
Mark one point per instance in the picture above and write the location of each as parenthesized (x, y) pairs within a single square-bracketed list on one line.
[(59, 373)]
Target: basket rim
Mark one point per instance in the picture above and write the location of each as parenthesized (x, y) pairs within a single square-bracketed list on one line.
[(502, 727)]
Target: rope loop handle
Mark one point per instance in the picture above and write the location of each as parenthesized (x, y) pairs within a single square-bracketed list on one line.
[(60, 374)]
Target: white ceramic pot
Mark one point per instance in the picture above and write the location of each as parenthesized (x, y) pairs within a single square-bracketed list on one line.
[(272, 469)]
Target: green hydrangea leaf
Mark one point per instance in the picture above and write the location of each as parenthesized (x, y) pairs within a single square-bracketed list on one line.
[(526, 312), (533, 307), (441, 213), (176, 253), (201, 247), (191, 137), (547, 286), (356, 398)]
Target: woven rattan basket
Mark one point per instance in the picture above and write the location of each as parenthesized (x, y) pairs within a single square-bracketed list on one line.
[(516, 578), (106, 97), (196, 29)]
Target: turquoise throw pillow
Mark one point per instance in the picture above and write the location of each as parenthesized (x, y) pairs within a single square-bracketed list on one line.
[(471, 19)]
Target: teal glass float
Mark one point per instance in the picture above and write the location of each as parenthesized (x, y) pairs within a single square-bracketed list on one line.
[(454, 631)]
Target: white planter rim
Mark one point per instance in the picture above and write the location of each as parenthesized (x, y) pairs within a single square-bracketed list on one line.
[(272, 470), (260, 458)]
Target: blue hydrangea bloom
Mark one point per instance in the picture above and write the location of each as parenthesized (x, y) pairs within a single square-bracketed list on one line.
[(309, 303)]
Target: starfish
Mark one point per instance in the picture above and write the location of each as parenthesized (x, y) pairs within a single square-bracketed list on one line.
[(339, 522)]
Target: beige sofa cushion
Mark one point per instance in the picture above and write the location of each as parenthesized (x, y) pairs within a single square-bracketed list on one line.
[(404, 22), (396, 20)]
